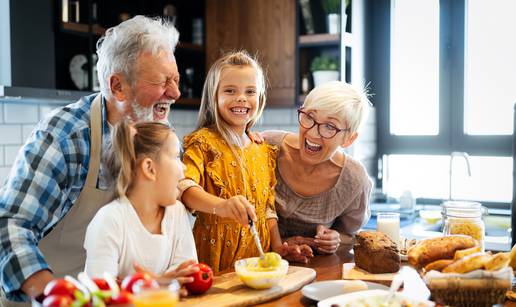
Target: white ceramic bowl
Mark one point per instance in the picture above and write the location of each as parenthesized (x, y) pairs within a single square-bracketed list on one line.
[(259, 279), (372, 298)]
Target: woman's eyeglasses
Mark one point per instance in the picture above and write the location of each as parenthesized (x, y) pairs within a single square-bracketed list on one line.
[(325, 130)]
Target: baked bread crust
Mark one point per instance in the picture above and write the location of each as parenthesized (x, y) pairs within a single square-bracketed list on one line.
[(433, 249), (376, 253)]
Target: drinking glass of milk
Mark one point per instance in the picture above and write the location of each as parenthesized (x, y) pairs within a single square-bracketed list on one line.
[(389, 224)]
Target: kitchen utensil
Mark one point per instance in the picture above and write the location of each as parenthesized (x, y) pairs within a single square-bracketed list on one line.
[(395, 285), (256, 239)]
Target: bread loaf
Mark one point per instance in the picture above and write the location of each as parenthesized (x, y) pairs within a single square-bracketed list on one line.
[(376, 253), (438, 265), (433, 249), (469, 263)]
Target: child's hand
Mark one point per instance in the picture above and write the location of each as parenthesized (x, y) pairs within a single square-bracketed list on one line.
[(255, 137), (294, 253), (299, 240), (181, 273), (237, 208), (327, 240)]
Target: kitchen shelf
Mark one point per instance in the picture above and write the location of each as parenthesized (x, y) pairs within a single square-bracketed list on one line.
[(82, 28), (317, 40)]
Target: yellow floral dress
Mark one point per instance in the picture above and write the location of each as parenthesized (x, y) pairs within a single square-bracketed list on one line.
[(211, 163)]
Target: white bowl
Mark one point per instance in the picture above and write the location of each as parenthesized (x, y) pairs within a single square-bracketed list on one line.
[(372, 298), (260, 279)]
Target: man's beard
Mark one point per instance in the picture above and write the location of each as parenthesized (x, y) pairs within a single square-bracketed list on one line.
[(142, 114)]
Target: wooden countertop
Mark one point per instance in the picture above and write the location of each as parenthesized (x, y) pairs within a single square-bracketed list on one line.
[(328, 267)]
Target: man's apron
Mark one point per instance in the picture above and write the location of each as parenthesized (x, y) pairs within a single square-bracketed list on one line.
[(63, 246)]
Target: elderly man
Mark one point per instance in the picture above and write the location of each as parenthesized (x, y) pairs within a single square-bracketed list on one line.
[(58, 183)]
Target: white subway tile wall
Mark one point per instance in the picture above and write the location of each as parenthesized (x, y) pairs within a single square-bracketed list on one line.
[(18, 120), (20, 113), (11, 134), (27, 130), (10, 152)]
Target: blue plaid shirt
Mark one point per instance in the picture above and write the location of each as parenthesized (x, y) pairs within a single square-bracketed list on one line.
[(45, 181)]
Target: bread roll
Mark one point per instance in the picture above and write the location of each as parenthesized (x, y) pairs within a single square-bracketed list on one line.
[(464, 252), (512, 255), (433, 249), (438, 265), (497, 262), (469, 263)]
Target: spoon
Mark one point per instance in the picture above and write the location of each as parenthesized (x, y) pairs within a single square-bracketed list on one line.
[(396, 283), (256, 239)]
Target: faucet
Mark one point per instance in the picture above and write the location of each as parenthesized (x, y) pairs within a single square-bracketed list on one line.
[(453, 155)]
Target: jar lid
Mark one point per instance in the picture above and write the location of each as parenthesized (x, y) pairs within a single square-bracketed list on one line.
[(462, 209)]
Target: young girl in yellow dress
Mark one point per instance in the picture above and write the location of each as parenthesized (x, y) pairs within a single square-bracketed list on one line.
[(228, 178)]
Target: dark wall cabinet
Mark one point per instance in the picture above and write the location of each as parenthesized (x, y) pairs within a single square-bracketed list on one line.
[(265, 28), (48, 47)]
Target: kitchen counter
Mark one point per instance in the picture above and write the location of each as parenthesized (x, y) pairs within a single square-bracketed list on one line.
[(328, 267)]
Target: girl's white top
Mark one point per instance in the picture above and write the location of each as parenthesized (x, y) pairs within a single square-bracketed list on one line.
[(116, 239)]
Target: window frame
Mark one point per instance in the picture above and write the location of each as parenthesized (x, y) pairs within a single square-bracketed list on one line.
[(451, 135)]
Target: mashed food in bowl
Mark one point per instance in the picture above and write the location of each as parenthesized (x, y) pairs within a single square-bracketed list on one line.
[(261, 273), (270, 261)]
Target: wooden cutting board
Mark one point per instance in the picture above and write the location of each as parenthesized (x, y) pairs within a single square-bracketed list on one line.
[(350, 271), (228, 290)]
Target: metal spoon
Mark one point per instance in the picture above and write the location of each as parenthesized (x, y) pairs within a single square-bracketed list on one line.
[(396, 283), (256, 239)]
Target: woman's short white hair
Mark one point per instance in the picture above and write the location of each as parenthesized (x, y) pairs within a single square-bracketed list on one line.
[(119, 48), (342, 100)]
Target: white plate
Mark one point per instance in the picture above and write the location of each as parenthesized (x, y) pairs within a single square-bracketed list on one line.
[(321, 290), (351, 299)]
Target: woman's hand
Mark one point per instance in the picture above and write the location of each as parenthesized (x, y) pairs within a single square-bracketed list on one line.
[(255, 137), (237, 208), (327, 240), (294, 253), (181, 273)]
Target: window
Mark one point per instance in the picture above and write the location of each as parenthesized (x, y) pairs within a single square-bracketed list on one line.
[(451, 89), (414, 108), (490, 72)]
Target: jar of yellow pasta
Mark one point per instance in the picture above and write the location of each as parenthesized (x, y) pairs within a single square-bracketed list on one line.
[(465, 218)]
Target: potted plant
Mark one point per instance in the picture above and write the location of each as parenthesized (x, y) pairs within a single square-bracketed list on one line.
[(332, 9), (324, 69)]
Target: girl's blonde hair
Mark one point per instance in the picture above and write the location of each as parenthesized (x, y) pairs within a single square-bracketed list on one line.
[(209, 115), (342, 99), (129, 145)]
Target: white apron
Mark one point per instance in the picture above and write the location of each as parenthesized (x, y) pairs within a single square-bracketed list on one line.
[(63, 246)]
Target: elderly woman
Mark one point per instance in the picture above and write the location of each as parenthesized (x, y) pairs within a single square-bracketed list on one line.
[(322, 194)]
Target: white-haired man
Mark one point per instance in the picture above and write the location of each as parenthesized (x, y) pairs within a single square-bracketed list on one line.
[(57, 182)]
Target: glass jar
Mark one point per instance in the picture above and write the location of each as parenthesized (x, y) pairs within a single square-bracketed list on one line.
[(465, 218)]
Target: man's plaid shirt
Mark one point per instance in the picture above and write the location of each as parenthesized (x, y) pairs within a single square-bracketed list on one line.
[(45, 181)]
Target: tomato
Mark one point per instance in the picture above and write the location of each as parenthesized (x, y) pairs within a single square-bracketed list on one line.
[(56, 300), (202, 279), (128, 282), (101, 283), (123, 297), (60, 287)]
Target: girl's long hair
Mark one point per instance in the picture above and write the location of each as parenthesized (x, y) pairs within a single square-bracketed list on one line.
[(129, 145)]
